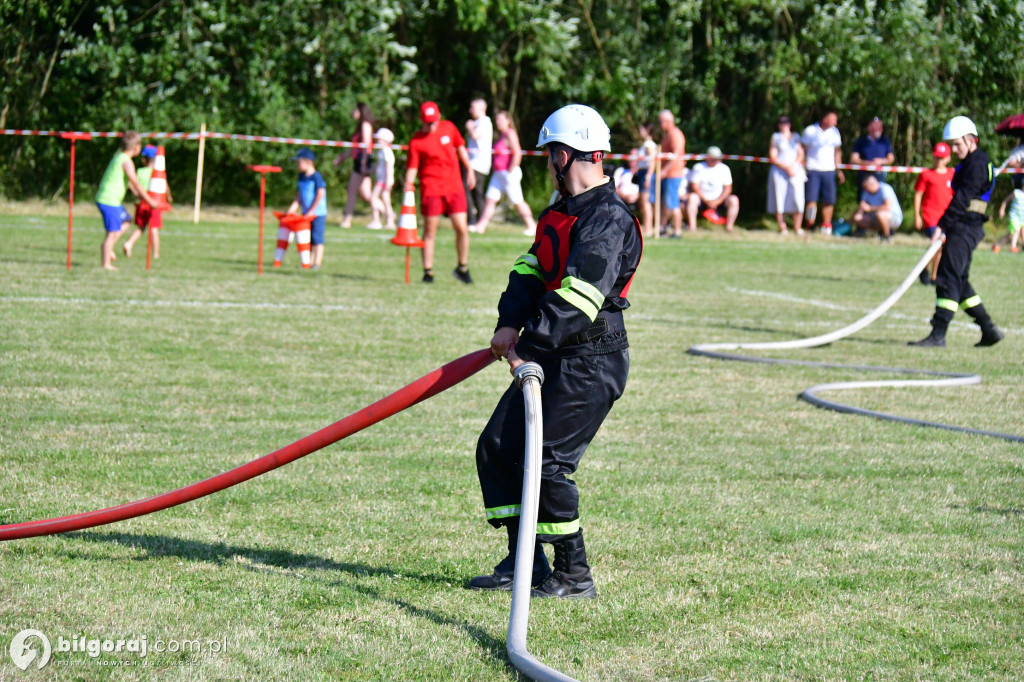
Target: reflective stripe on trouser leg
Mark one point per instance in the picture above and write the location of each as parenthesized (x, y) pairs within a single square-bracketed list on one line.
[(505, 512), (946, 304), (283, 237), (969, 303), (576, 397)]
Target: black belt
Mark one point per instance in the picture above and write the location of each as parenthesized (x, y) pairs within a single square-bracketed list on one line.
[(591, 333)]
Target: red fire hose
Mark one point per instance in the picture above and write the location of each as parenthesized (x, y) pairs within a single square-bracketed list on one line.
[(425, 387)]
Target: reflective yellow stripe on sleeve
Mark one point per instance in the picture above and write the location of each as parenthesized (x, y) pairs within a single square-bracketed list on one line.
[(527, 264), (582, 295), (946, 303)]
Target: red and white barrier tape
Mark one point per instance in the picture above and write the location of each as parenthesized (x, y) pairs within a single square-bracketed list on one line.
[(345, 144)]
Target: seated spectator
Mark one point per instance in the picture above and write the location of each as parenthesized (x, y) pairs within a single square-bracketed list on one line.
[(873, 149), (879, 208), (711, 192), (625, 187)]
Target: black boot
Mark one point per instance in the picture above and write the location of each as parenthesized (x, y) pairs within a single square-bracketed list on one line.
[(571, 577), (937, 339), (501, 579), (990, 336)]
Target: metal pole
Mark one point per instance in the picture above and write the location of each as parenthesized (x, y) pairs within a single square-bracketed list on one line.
[(72, 136), (263, 198), (657, 196), (529, 376), (199, 174), (71, 198)]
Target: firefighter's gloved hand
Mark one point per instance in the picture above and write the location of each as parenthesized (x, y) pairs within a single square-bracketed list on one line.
[(502, 341)]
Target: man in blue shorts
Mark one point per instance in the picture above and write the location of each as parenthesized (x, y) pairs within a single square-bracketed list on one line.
[(673, 170), (110, 195), (824, 152)]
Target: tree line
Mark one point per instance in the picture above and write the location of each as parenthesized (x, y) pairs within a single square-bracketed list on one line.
[(727, 68)]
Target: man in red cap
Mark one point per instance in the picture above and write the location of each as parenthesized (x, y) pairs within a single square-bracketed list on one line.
[(932, 194), (435, 152)]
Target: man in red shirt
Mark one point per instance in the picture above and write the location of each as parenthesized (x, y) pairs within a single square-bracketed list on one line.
[(932, 194), (435, 152)]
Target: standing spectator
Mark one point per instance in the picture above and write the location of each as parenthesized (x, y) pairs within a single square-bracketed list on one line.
[(879, 209), (823, 146), (479, 136), (507, 177), (673, 171), (384, 174), (360, 184), (1015, 201), (872, 149), (932, 193), (646, 155), (711, 191), (787, 177), (435, 152)]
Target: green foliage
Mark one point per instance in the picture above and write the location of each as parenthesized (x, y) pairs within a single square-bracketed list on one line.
[(727, 68)]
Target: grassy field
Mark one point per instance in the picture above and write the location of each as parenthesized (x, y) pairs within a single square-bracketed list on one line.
[(735, 532)]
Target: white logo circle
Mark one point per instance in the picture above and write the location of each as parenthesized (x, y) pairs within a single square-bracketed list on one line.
[(23, 654)]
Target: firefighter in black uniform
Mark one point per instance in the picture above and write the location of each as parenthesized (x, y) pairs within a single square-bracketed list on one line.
[(563, 310), (962, 227)]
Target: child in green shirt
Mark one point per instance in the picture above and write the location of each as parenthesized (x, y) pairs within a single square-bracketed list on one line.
[(111, 193)]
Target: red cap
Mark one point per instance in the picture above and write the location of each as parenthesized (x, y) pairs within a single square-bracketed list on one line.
[(941, 151), (429, 112)]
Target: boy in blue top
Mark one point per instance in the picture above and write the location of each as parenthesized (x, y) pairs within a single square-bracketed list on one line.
[(311, 200)]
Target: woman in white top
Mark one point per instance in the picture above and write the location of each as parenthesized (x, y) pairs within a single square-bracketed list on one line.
[(506, 177), (786, 177)]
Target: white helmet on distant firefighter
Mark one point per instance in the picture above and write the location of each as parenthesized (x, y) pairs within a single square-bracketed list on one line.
[(959, 126), (576, 126)]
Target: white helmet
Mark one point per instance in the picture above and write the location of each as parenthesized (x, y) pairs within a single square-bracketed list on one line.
[(384, 135), (959, 126), (576, 126)]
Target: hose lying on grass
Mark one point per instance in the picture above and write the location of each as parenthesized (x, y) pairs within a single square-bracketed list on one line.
[(423, 388), (945, 379)]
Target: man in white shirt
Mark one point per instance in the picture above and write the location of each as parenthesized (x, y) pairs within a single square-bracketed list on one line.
[(479, 138), (824, 151), (711, 190)]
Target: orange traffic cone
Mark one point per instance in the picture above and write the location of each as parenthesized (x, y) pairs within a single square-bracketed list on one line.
[(407, 235), (157, 190), (293, 226)]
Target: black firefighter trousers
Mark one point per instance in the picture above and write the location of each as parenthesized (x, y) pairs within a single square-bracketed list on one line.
[(953, 285), (577, 394)]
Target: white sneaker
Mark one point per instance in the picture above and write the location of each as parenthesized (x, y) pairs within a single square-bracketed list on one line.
[(375, 225)]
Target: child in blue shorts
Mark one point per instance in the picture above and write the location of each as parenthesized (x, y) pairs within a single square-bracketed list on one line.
[(117, 179), (311, 199)]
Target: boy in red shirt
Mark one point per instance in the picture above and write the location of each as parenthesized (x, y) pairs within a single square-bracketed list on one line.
[(435, 152), (932, 194)]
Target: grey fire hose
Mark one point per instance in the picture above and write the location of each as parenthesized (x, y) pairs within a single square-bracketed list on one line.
[(944, 379), (529, 377)]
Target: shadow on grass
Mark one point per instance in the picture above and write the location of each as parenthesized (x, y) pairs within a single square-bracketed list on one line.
[(981, 509), (223, 553)]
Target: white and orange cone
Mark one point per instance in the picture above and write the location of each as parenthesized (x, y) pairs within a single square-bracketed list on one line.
[(406, 235)]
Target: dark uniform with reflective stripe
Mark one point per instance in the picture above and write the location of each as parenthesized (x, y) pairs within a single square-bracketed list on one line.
[(962, 224), (566, 296)]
